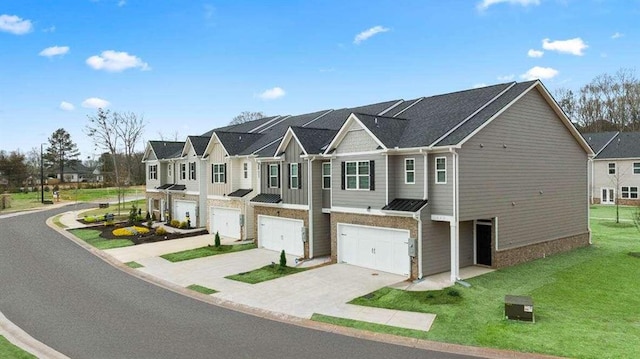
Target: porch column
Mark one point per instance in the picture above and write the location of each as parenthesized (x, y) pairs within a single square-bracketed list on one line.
[(455, 250)]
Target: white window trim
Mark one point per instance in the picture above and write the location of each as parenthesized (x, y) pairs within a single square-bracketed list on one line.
[(218, 175), (183, 171), (440, 170), (629, 192), (292, 176), (406, 171), (615, 168), (328, 165), (153, 172), (635, 166), (192, 170), (357, 176), (245, 170), (273, 176)]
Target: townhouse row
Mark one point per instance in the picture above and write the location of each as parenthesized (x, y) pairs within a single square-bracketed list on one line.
[(490, 176)]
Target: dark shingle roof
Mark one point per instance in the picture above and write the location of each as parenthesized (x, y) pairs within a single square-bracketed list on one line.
[(597, 140), (335, 119), (405, 205), (239, 193), (236, 142), (243, 127), (403, 106), (267, 198), (165, 186), (199, 144), (313, 140), (388, 130), (177, 187), (167, 149), (625, 145)]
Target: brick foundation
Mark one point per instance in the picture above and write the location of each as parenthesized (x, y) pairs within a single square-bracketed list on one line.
[(628, 202), (511, 257), (284, 213), (406, 223)]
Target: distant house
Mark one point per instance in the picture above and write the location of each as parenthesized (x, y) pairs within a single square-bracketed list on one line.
[(78, 172), (615, 171)]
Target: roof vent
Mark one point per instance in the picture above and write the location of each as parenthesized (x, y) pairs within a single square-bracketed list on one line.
[(376, 121)]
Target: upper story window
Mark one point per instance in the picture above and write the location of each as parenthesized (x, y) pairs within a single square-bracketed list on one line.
[(294, 175), (218, 173), (630, 192), (153, 172), (245, 170), (192, 170), (441, 170), (274, 176), (169, 171), (183, 171), (636, 168), (409, 171), (326, 175), (612, 168), (357, 175)]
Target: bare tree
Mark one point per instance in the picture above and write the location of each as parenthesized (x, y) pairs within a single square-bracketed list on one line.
[(171, 137), (246, 116), (129, 128)]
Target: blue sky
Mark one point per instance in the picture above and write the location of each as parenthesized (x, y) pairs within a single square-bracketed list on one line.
[(190, 66)]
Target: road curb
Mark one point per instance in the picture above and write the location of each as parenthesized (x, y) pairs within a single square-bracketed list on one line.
[(26, 342)]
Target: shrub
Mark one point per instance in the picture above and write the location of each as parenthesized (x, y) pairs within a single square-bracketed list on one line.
[(217, 240), (149, 223), (453, 292), (130, 231), (133, 214), (174, 223), (161, 231), (47, 189), (283, 259), (56, 188), (153, 217), (148, 217), (184, 225)]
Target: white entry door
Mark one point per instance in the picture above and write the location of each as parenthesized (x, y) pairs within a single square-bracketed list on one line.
[(380, 248), (182, 208), (225, 221), (608, 196), (277, 233)]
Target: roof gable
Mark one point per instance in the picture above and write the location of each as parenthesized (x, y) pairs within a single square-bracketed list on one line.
[(624, 145), (167, 149), (599, 140), (352, 124)]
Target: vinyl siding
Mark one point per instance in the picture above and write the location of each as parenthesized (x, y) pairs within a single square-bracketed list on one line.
[(436, 245), (326, 193), (321, 221), (467, 239), (624, 176), (397, 186), (525, 168), (216, 156), (375, 199), (151, 183), (264, 178), (294, 195), (440, 195), (356, 140)]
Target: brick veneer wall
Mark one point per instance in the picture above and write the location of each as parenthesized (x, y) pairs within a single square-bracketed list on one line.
[(284, 213), (510, 257), (407, 223)]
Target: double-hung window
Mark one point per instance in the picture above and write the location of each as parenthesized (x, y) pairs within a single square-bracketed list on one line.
[(636, 168), (612, 168), (183, 171), (153, 172), (326, 175), (192, 170), (274, 176), (630, 192), (441, 170), (357, 175), (294, 175), (409, 171), (245, 170), (218, 173)]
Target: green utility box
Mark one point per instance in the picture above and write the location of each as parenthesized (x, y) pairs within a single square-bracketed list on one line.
[(518, 307)]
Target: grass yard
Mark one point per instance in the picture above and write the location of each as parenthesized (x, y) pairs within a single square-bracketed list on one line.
[(134, 265), (206, 252), (586, 302), (124, 211), (265, 273), (201, 289), (92, 237), (8, 350), (607, 211)]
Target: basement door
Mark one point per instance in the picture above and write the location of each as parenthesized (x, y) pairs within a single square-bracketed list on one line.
[(483, 242), (277, 234), (379, 248)]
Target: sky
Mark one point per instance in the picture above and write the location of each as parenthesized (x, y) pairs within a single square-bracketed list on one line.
[(191, 66)]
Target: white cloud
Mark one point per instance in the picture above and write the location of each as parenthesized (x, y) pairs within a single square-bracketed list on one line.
[(535, 53), (54, 51), (617, 35), (49, 29), (506, 77), (122, 3), (542, 73), (15, 24), (95, 103), (114, 61), (66, 106), (368, 33), (573, 46), (485, 4), (272, 94)]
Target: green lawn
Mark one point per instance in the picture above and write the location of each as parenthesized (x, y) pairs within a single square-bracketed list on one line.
[(124, 211), (134, 265), (206, 252), (605, 211), (92, 237), (8, 350), (201, 289), (586, 302), (265, 273)]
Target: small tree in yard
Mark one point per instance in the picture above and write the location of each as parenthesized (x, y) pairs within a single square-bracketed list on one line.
[(216, 242), (133, 214), (283, 259)]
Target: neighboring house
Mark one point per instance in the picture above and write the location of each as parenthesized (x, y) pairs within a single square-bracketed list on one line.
[(159, 159), (76, 173), (615, 170), (492, 176)]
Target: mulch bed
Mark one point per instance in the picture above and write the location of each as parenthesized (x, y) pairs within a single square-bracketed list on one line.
[(107, 233)]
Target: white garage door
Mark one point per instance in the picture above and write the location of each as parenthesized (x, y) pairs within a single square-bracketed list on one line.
[(180, 209), (380, 248), (225, 221), (278, 233)]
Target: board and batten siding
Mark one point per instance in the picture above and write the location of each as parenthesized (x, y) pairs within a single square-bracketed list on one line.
[(375, 199), (294, 195), (527, 169), (440, 194), (356, 140), (217, 156), (397, 186), (321, 221), (264, 178)]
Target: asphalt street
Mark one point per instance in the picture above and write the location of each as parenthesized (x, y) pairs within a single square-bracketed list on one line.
[(74, 302)]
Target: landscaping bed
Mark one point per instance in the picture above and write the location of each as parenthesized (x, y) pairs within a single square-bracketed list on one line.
[(106, 232)]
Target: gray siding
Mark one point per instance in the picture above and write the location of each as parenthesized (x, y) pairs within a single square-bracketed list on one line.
[(397, 186), (326, 193), (321, 221), (436, 245), (151, 183), (294, 195), (357, 140), (264, 178), (525, 168), (440, 195), (375, 199), (467, 239)]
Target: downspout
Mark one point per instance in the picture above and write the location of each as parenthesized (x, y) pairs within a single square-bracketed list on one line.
[(386, 185), (419, 256), (455, 225), (590, 184), (310, 204), (425, 197)]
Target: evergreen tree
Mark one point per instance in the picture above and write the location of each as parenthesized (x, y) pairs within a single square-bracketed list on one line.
[(62, 151)]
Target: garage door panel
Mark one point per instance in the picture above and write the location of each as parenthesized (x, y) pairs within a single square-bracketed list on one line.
[(225, 221), (181, 208), (279, 234)]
